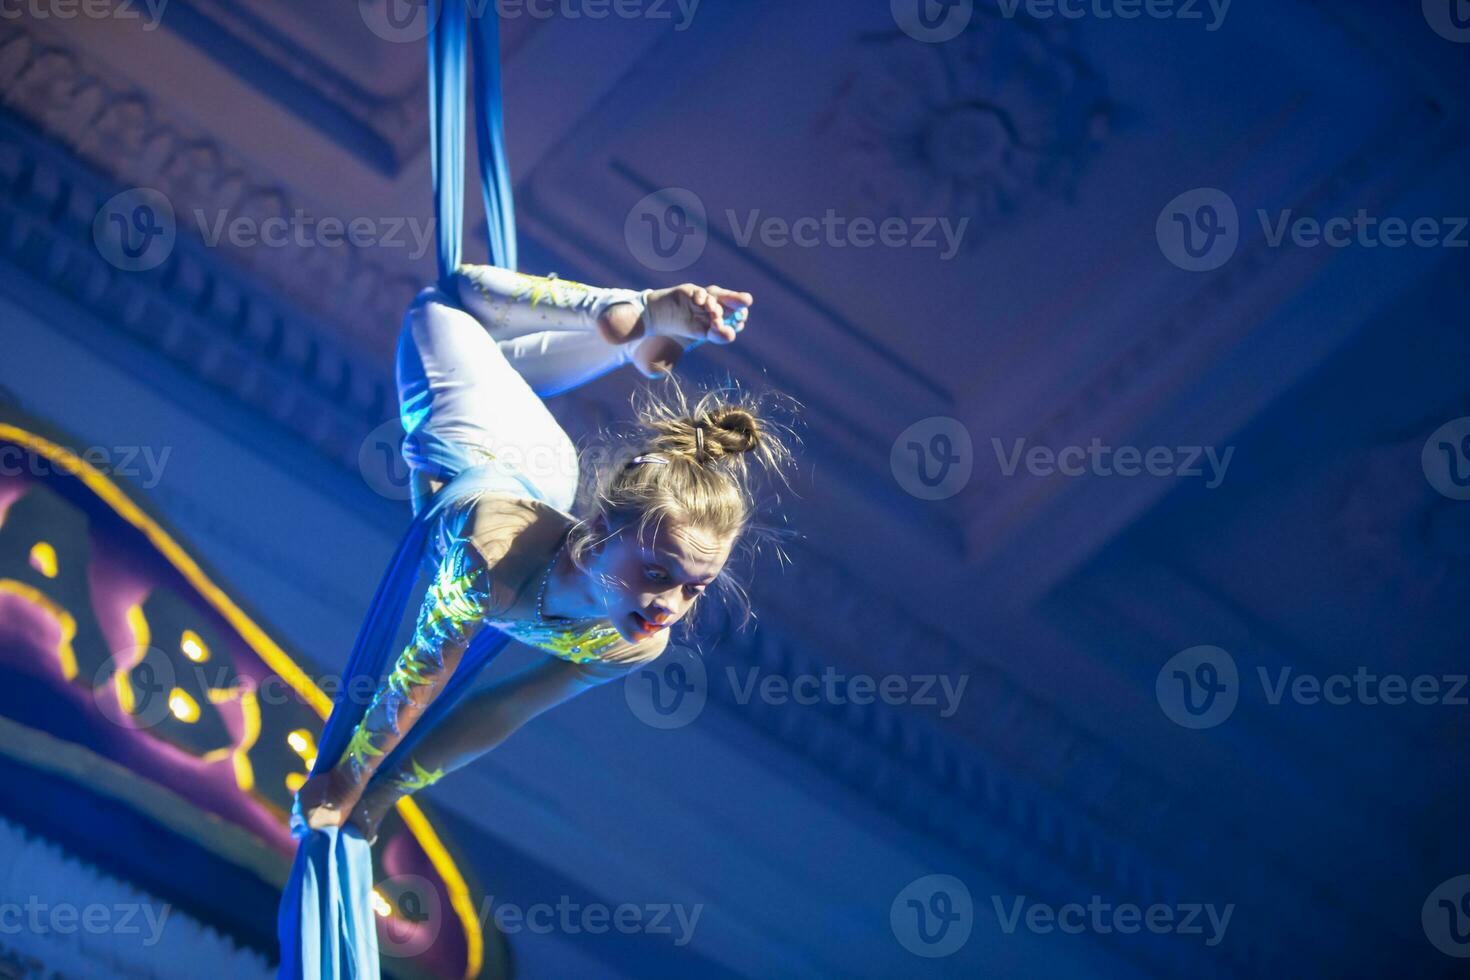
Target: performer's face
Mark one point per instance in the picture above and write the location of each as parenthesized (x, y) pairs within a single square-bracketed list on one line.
[(648, 585)]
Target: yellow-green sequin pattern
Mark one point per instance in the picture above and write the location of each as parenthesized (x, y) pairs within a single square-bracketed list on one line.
[(451, 604), (562, 293), (417, 778), (580, 646)]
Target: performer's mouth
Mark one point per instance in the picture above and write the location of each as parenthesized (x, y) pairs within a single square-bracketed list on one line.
[(643, 627)]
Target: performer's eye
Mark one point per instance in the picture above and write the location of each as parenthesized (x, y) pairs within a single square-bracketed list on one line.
[(656, 574)]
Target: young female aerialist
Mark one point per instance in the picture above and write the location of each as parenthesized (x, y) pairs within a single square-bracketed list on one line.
[(598, 592)]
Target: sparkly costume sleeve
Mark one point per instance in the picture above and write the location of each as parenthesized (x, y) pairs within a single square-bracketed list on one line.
[(452, 612)]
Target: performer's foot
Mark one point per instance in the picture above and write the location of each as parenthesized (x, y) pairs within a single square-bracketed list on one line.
[(697, 313)]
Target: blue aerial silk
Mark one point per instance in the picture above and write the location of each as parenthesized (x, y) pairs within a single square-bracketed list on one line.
[(447, 70), (326, 924)]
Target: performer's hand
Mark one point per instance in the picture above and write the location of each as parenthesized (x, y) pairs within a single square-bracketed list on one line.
[(326, 799), (368, 814), (694, 312)]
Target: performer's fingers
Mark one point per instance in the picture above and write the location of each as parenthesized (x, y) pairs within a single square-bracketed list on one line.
[(722, 332), (731, 297)]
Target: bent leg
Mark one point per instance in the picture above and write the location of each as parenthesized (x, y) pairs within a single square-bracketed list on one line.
[(511, 304), (554, 361), (556, 333), (462, 400)]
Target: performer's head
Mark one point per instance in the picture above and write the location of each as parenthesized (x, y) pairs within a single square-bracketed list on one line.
[(664, 518)]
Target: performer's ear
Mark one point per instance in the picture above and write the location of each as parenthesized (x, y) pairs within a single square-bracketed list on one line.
[(596, 533)]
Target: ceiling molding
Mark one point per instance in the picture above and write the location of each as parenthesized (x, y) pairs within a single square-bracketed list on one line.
[(382, 132), (128, 135)]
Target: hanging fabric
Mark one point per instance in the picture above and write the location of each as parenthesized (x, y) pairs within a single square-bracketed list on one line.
[(326, 925), (451, 28)]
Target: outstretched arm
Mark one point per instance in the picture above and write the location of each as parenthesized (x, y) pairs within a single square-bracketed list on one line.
[(451, 615), (465, 587), (485, 720)]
